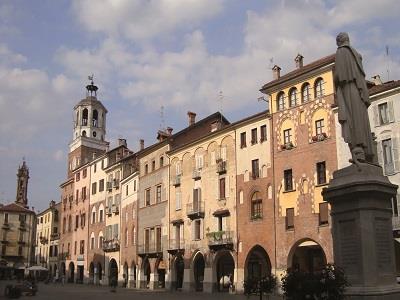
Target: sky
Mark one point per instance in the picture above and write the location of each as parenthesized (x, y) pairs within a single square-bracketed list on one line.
[(197, 55)]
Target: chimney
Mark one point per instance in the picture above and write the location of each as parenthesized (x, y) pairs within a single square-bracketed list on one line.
[(276, 72), (169, 130), (377, 80), (192, 118), (122, 142), (141, 144), (299, 61)]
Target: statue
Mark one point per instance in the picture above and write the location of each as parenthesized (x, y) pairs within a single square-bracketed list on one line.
[(353, 101)]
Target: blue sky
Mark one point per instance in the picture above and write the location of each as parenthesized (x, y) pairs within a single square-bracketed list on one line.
[(146, 54)]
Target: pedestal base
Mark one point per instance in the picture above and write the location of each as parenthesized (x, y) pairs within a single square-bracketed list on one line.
[(360, 199)]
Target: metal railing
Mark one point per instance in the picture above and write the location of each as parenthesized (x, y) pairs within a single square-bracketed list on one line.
[(150, 248), (195, 208), (111, 245), (176, 244), (220, 238)]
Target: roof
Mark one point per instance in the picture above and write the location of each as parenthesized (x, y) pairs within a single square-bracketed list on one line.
[(303, 70), (13, 207), (379, 88), (89, 100)]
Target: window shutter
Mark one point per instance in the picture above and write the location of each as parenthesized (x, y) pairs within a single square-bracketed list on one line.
[(395, 147), (390, 111), (323, 213), (223, 153), (376, 115), (380, 153), (201, 229), (227, 186), (289, 217)]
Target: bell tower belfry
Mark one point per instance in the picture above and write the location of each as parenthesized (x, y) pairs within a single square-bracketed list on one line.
[(22, 185), (89, 129)]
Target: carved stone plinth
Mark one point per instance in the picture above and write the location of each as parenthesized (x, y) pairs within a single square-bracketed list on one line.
[(360, 199)]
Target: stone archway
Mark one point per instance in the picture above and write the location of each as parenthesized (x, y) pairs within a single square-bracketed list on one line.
[(71, 272), (199, 265), (91, 273), (112, 272), (224, 268), (307, 255), (257, 264), (160, 269)]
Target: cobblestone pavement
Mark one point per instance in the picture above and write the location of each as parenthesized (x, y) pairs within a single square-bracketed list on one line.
[(78, 292)]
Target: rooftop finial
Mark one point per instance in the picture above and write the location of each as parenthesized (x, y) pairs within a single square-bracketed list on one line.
[(91, 88)]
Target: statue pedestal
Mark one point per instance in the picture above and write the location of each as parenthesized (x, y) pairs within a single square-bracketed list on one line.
[(360, 200)]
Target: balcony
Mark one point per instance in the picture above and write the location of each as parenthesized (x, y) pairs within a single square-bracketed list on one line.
[(287, 146), (150, 250), (109, 186), (115, 209), (196, 174), (221, 166), (195, 210), (111, 245), (176, 246), (54, 236), (177, 180), (220, 240), (6, 226), (4, 241), (43, 240)]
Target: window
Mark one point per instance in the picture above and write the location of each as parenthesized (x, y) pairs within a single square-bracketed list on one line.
[(94, 168), (255, 170), (147, 197), (82, 247), (222, 188), (383, 113), (93, 217), (305, 92), (92, 242), (263, 131), (75, 247), (289, 218), (6, 218), (153, 165), (254, 136), (94, 188), (293, 97), (243, 140), (77, 196), (101, 185), (323, 213), (78, 176), (256, 206), (280, 101), (395, 208), (161, 161), (84, 173), (319, 88), (287, 136), (178, 200), (101, 241), (146, 169), (196, 199), (197, 230), (321, 173), (76, 222), (288, 179), (134, 185), (69, 223), (319, 126), (84, 193), (199, 161), (83, 220), (64, 225), (126, 238), (158, 194), (100, 215), (127, 190), (388, 156)]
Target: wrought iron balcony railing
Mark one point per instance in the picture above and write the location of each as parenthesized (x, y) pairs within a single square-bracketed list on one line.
[(195, 209)]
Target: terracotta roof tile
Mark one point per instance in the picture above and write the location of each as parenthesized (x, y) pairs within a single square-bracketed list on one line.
[(307, 68), (376, 89), (13, 207)]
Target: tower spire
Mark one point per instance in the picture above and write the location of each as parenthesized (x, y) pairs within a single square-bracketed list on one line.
[(22, 185)]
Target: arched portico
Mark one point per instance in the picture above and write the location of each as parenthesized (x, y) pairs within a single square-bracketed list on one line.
[(257, 264), (307, 256)]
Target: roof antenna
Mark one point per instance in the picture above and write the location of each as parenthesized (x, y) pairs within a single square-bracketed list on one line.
[(387, 63), (162, 120)]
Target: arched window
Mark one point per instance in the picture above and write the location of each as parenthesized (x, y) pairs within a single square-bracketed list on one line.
[(95, 120), (69, 223), (77, 118), (85, 117), (64, 225), (280, 101), (256, 206), (84, 133), (161, 161), (293, 97), (305, 92), (319, 87)]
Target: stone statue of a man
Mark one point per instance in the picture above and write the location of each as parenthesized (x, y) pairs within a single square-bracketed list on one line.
[(353, 100)]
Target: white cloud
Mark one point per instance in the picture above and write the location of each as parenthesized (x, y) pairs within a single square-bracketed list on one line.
[(7, 57), (143, 19)]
